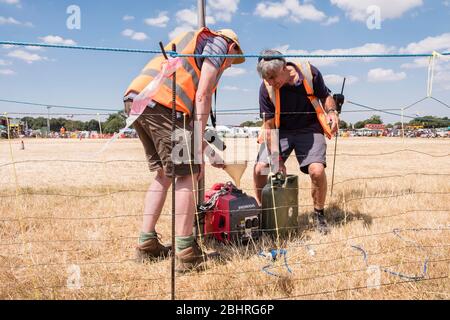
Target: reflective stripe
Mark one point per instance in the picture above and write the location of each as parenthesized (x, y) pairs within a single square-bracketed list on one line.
[(188, 67), (305, 68), (185, 41), (316, 104), (181, 94), (309, 86), (150, 72), (168, 82)]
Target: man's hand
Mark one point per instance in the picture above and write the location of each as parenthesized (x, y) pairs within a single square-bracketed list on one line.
[(332, 115), (333, 118), (277, 163)]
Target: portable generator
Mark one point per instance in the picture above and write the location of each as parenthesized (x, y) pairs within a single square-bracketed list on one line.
[(229, 215)]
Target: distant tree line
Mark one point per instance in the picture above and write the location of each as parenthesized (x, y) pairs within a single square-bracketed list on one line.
[(428, 122), (117, 121), (113, 124)]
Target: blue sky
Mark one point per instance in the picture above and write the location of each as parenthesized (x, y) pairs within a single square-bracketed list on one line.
[(98, 79)]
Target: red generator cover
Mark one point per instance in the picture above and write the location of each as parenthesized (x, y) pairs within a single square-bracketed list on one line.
[(235, 216)]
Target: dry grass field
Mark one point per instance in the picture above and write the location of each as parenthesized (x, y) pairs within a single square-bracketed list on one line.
[(70, 210)]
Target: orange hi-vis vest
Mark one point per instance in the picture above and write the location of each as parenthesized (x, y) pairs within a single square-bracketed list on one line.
[(305, 69), (187, 76)]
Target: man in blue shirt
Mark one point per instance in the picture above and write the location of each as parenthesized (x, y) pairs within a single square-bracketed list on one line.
[(305, 107)]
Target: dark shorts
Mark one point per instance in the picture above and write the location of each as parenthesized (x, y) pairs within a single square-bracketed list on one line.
[(154, 128), (309, 148)]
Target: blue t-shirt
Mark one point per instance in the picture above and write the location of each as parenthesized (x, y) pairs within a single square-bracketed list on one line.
[(294, 99)]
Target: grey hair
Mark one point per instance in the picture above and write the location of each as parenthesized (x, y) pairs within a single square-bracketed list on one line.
[(268, 67)]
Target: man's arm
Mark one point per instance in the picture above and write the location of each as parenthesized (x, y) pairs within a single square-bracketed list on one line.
[(203, 100), (265, 136), (203, 97)]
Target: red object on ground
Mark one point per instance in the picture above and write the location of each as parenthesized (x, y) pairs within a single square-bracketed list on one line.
[(234, 217)]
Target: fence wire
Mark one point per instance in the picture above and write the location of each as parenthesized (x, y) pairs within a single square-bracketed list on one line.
[(298, 259)]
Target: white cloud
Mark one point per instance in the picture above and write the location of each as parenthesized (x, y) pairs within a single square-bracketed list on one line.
[(26, 56), (7, 72), (271, 10), (160, 21), (234, 88), (439, 43), (189, 17), (382, 75), (428, 45), (442, 73), (216, 11), (12, 2), (366, 49), (442, 79), (331, 20), (291, 9), (222, 10), (334, 79), (441, 70), (357, 10), (138, 36), (31, 48), (4, 63), (446, 3), (187, 21), (9, 20), (234, 72), (418, 63), (128, 18), (179, 30), (58, 40), (127, 32), (12, 21)]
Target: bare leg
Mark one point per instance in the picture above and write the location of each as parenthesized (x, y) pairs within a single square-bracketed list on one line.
[(185, 206), (319, 185), (154, 201), (259, 180)]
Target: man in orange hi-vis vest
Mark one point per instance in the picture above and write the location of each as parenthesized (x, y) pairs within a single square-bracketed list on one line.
[(295, 100), (197, 80)]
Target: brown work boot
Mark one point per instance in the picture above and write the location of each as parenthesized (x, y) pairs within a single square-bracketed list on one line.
[(192, 258), (152, 250)]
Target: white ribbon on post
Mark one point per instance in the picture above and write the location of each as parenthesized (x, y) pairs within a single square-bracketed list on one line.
[(431, 67)]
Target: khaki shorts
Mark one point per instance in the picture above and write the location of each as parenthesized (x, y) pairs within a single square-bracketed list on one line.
[(154, 128)]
